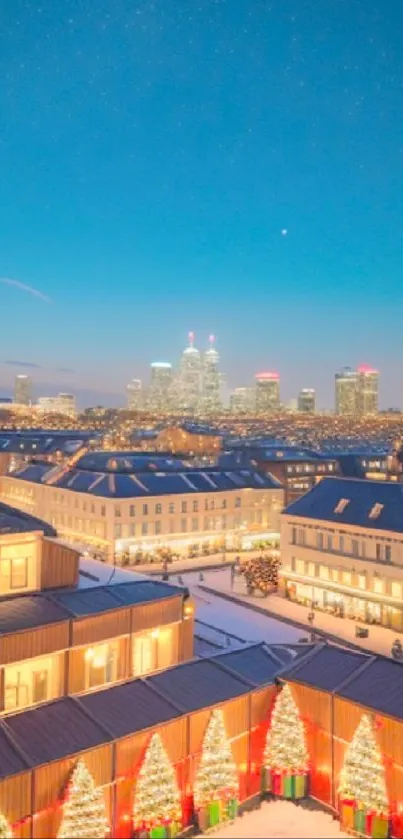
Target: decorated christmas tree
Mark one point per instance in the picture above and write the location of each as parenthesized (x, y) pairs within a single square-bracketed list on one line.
[(84, 815), (262, 573), (217, 775), (285, 745), (5, 829), (362, 778), (157, 797)]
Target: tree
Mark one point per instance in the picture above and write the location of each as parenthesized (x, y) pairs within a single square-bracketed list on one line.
[(262, 573), (285, 745), (84, 815), (217, 773), (5, 829), (362, 778), (157, 796)]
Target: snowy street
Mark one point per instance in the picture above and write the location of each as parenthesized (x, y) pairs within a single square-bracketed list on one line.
[(275, 819)]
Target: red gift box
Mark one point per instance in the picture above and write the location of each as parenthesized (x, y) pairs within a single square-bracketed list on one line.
[(277, 783), (368, 822)]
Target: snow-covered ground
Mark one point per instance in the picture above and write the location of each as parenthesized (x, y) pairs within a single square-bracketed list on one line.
[(235, 618), (283, 819)]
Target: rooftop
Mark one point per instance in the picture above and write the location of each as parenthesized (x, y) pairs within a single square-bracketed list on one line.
[(137, 481), (43, 442), (14, 521), (374, 504)]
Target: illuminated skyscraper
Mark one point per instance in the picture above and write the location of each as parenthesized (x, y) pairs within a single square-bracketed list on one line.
[(134, 392), (189, 380), (346, 392), (367, 391), (211, 380), (159, 397), (242, 400), (23, 390), (267, 393), (307, 400)]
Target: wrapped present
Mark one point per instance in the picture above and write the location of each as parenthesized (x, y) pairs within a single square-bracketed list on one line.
[(300, 785), (265, 779), (214, 813), (158, 832), (276, 783), (369, 817), (288, 786), (360, 820), (380, 827), (203, 819), (173, 830), (232, 808), (347, 814)]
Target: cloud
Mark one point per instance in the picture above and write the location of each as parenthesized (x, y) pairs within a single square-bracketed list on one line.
[(64, 370), (14, 363), (23, 287)]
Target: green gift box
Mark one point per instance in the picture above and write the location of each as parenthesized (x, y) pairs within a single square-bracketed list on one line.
[(214, 813), (360, 821), (380, 827), (158, 832), (288, 786), (232, 808)]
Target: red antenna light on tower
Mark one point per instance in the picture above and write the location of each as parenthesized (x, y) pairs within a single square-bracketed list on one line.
[(191, 337), (211, 340)]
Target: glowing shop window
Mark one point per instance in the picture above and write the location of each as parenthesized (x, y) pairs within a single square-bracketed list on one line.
[(323, 572), (362, 582), (378, 585), (30, 682), (346, 578), (396, 589), (14, 574), (300, 566), (145, 653), (101, 664)]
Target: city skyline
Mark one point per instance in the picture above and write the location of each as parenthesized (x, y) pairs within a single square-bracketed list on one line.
[(234, 168)]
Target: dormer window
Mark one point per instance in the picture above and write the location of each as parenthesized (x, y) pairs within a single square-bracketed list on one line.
[(376, 511), (341, 505)]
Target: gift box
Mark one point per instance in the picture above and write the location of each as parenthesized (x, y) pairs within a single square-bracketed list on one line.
[(203, 819), (173, 830), (158, 832), (360, 821), (300, 785), (232, 808), (288, 786), (214, 813), (380, 827), (276, 783), (265, 779), (347, 814)]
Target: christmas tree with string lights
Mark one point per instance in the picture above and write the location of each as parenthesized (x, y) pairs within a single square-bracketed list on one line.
[(217, 776), (286, 749), (157, 798), (261, 573), (362, 778), (84, 815), (5, 829)]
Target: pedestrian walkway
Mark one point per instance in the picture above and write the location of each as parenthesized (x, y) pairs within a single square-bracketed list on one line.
[(380, 639)]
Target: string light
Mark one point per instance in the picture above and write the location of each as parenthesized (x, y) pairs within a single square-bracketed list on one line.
[(285, 745), (362, 778), (84, 815), (262, 573), (217, 774), (157, 797)]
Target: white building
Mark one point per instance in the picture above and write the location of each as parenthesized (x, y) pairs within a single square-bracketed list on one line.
[(23, 389), (189, 378), (63, 403), (211, 380), (134, 393), (128, 502)]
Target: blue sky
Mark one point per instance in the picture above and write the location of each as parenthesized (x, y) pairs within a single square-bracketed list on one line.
[(151, 154)]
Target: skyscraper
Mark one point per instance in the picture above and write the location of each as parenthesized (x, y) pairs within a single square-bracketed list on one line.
[(211, 380), (63, 404), (367, 391), (267, 393), (189, 380), (242, 400), (23, 390), (346, 387), (307, 400), (134, 392), (159, 397)]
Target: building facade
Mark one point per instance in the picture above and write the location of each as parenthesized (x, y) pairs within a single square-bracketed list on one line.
[(63, 404), (134, 394), (160, 390), (189, 378), (367, 391), (242, 400), (267, 393), (307, 400), (120, 503), (23, 390), (211, 380), (346, 383), (342, 550)]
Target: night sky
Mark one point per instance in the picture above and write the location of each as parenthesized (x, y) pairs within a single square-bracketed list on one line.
[(152, 156)]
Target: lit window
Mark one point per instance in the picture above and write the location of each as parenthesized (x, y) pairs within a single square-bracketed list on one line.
[(341, 505), (14, 573), (101, 664), (376, 511), (30, 682)]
